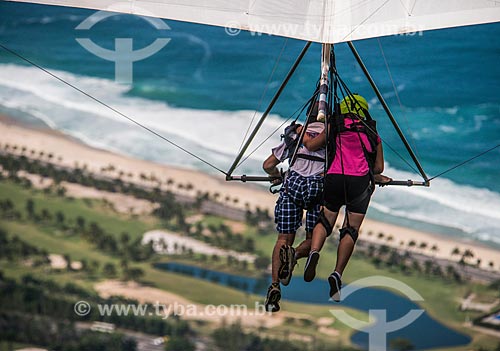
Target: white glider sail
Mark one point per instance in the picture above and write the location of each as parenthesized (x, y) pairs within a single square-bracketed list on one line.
[(324, 21)]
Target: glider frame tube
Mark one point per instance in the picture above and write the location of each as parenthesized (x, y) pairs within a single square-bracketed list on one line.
[(268, 110)]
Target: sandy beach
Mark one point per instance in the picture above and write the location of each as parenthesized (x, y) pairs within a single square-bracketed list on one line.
[(70, 152)]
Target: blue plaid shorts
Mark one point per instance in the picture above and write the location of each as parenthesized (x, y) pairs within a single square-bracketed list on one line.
[(297, 194)]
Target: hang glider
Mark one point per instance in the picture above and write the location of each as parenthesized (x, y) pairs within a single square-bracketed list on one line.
[(322, 21)]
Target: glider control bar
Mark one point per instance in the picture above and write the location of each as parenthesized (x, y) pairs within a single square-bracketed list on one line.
[(247, 178), (404, 183), (244, 178)]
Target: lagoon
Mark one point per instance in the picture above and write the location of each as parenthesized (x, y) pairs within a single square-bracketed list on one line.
[(424, 333)]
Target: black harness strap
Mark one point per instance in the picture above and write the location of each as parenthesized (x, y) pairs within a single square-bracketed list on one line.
[(311, 157)]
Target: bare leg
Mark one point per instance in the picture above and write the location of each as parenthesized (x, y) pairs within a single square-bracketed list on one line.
[(319, 232), (283, 239), (304, 247), (346, 245)]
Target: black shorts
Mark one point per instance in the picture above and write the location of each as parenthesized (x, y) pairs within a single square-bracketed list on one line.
[(355, 189)]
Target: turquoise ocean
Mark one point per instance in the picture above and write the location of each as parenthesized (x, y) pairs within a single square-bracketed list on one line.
[(205, 87)]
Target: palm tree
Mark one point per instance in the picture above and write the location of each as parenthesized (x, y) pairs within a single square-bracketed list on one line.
[(371, 250), (30, 207), (416, 266), (124, 264), (80, 221), (434, 248), (109, 270), (124, 239), (46, 214), (455, 251), (383, 250), (412, 244), (468, 254), (380, 235), (428, 266), (60, 218), (134, 273), (464, 266)]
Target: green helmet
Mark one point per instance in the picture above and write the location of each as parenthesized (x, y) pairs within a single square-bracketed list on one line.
[(354, 103)]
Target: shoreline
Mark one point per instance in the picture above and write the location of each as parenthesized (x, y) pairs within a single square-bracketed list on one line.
[(70, 152)]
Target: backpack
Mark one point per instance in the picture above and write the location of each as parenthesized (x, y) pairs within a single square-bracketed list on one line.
[(291, 139)]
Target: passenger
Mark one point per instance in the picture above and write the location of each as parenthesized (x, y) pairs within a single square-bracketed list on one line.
[(301, 190), (358, 158)]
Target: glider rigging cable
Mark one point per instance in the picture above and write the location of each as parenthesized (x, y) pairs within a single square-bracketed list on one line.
[(111, 108), (403, 110), (276, 63)]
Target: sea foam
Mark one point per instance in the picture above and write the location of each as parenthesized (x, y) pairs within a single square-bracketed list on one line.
[(61, 107)]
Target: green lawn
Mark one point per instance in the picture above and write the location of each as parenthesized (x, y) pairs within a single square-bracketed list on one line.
[(92, 211)]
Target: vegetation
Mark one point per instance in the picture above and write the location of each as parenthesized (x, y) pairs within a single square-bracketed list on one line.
[(233, 338), (33, 296), (400, 344), (38, 222), (57, 335), (389, 257)]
